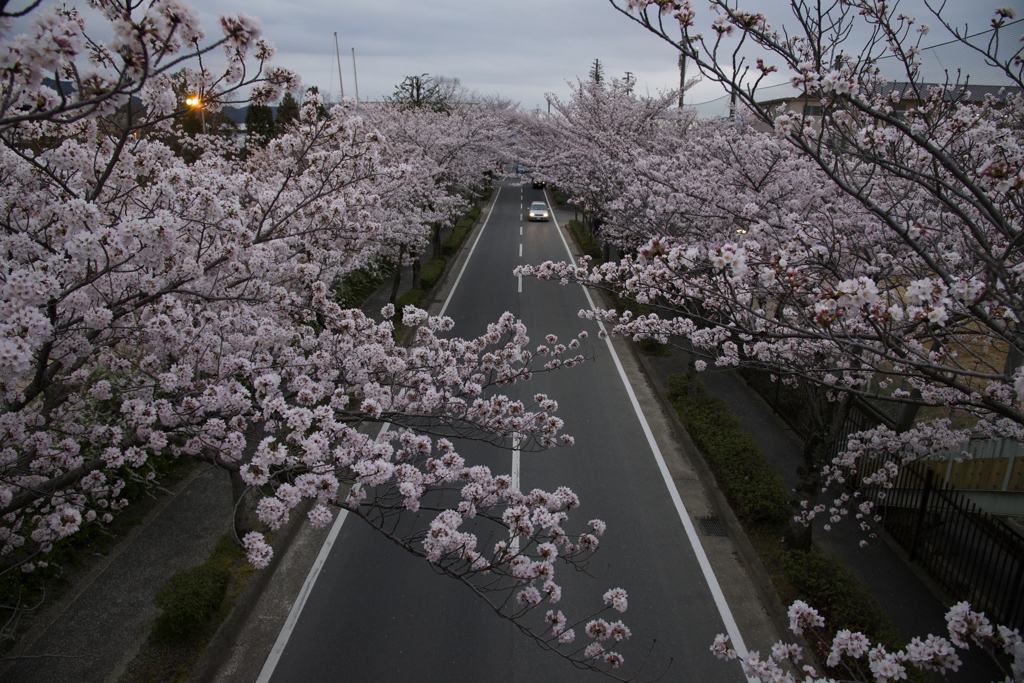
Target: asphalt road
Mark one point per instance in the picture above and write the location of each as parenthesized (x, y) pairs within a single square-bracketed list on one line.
[(378, 614)]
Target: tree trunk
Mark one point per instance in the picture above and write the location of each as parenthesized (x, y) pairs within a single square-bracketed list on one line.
[(907, 413), (435, 240), (240, 498), (398, 275), (416, 265), (826, 431)]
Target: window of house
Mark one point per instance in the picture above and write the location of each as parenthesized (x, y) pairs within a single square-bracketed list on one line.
[(812, 110)]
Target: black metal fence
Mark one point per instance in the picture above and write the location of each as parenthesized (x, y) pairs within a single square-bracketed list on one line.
[(973, 555)]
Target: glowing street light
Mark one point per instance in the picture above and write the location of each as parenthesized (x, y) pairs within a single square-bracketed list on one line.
[(196, 102)]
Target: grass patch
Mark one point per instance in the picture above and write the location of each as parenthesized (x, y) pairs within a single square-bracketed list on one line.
[(357, 286), (195, 601), (414, 297)]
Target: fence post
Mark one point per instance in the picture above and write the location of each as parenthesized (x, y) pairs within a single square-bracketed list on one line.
[(922, 509)]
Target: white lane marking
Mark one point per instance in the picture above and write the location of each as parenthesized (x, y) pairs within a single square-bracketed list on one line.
[(448, 300), (267, 672), (300, 602), (516, 470), (691, 532), (520, 250), (517, 440), (520, 231)]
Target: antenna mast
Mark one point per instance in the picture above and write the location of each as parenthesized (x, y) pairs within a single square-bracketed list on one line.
[(355, 74), (338, 53)]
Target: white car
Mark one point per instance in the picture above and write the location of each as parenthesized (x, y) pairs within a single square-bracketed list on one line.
[(539, 211)]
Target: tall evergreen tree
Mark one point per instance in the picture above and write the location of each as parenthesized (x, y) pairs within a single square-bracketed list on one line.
[(287, 112), (597, 72), (259, 125)]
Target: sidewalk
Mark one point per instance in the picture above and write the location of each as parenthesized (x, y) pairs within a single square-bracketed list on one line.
[(95, 630)]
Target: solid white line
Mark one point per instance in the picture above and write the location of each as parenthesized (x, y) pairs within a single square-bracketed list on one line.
[(516, 471), (300, 602), (267, 672), (691, 532), (448, 300)]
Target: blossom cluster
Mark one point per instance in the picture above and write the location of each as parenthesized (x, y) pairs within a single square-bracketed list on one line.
[(853, 653)]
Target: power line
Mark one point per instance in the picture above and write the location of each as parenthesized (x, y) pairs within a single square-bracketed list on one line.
[(953, 41), (958, 41)]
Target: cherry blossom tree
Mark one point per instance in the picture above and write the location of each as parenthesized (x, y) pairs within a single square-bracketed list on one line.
[(452, 151), (591, 143), (903, 283), (935, 299), (893, 273), (860, 660), (159, 306)]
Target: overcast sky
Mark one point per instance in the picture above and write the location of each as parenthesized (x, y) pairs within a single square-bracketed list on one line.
[(520, 49)]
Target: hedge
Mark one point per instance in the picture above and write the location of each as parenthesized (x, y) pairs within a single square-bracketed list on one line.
[(750, 484), (827, 585), (431, 272), (457, 236), (414, 297)]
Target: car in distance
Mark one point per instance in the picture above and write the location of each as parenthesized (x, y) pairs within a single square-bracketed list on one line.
[(520, 169), (539, 211), (538, 184)]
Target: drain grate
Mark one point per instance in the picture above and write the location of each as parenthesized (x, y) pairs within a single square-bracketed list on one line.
[(711, 526)]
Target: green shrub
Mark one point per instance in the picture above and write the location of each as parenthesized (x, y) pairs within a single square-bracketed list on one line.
[(622, 305), (825, 584), (750, 484), (190, 599), (457, 236), (653, 347), (431, 272)]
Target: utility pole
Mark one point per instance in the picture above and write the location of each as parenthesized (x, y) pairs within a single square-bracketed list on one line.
[(682, 77), (355, 74), (338, 53)]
